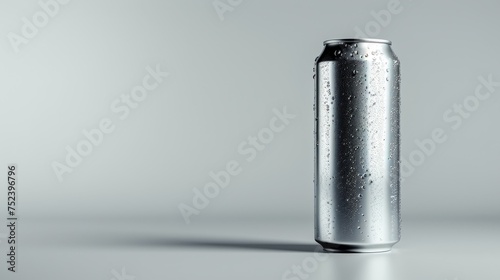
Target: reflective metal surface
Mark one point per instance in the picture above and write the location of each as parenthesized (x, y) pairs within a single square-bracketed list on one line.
[(357, 197)]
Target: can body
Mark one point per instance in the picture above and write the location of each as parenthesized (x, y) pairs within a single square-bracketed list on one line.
[(357, 146)]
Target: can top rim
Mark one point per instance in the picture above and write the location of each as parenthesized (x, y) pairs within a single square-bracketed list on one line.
[(357, 40)]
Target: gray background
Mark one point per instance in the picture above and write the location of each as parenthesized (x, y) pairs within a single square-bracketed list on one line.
[(225, 78)]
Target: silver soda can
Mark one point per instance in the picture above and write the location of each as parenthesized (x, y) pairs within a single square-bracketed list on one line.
[(357, 146)]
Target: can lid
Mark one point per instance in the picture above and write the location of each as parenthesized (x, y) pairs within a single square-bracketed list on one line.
[(356, 40)]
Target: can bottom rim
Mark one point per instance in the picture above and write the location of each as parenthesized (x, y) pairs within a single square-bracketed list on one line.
[(351, 248)]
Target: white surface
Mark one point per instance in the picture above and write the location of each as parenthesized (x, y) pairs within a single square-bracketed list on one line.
[(154, 249)]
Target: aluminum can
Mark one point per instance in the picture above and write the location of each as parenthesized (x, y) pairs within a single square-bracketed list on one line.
[(357, 146)]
